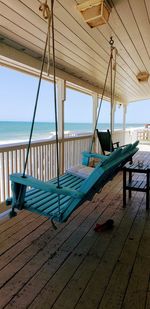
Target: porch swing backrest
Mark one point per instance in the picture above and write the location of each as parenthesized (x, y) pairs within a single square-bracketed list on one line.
[(104, 172)]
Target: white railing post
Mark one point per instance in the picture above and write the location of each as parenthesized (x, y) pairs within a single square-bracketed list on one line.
[(61, 88), (113, 116), (95, 106), (124, 121)]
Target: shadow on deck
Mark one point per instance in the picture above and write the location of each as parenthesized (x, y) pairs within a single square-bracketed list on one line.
[(75, 267)]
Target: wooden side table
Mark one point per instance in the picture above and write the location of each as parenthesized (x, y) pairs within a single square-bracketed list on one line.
[(142, 185)]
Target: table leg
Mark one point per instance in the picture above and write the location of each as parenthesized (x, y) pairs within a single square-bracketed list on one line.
[(130, 179), (124, 187)]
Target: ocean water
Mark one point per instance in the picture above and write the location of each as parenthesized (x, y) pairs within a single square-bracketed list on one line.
[(11, 131)]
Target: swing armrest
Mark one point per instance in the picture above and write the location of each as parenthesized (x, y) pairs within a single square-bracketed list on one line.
[(117, 144), (94, 155), (47, 187)]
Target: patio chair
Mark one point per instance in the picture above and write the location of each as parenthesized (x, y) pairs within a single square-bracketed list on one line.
[(106, 143)]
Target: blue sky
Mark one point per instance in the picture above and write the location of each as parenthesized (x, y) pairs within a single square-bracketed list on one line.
[(18, 93)]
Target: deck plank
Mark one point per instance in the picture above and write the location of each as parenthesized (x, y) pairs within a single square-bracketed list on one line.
[(18, 237), (115, 291), (5, 223), (16, 228), (72, 241), (32, 243), (139, 278), (148, 299), (105, 268), (46, 262), (87, 266)]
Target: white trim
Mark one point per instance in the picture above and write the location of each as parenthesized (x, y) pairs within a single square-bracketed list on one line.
[(95, 106), (124, 116), (61, 88)]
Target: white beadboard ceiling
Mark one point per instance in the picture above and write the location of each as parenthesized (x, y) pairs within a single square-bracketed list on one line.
[(82, 53)]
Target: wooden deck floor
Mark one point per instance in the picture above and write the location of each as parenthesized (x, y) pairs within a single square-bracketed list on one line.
[(73, 266)]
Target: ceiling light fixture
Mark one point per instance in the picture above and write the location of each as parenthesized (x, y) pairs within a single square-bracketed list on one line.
[(95, 12), (143, 76)]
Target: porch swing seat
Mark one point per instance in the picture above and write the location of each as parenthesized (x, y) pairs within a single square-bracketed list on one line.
[(45, 198)]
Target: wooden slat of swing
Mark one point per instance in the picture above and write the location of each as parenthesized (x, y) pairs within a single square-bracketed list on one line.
[(37, 192), (47, 209), (50, 207), (66, 177), (38, 201), (46, 203), (54, 210), (29, 181), (50, 202), (64, 201), (70, 181), (34, 195)]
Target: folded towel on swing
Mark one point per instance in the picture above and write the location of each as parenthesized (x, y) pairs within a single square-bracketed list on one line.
[(82, 171)]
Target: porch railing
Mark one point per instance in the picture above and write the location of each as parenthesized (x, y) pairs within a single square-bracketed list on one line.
[(144, 135)]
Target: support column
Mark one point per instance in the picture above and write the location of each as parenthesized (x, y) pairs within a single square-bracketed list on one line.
[(113, 117), (95, 106), (61, 88), (124, 121), (124, 116)]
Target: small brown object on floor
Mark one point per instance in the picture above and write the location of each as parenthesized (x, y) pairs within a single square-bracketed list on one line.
[(105, 226)]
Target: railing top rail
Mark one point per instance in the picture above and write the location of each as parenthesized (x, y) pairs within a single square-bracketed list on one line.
[(37, 143)]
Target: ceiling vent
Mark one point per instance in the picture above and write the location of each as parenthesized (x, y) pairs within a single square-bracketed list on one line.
[(142, 76), (95, 12)]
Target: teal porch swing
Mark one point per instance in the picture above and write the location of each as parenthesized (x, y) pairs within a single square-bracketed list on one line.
[(59, 197)]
